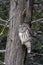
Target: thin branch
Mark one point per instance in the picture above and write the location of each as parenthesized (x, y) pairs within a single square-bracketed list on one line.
[(35, 63), (3, 29), (34, 54), (4, 25), (3, 20), (2, 51), (37, 20)]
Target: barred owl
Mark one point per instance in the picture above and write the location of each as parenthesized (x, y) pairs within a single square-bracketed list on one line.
[(25, 37)]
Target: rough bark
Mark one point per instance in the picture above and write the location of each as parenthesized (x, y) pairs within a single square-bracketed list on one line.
[(15, 53)]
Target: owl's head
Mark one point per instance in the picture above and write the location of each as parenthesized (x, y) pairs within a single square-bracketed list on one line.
[(22, 28)]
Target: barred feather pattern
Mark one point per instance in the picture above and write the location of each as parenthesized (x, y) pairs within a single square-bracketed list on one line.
[(25, 37)]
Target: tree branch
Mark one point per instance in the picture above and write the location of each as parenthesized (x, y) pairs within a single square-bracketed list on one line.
[(38, 20)]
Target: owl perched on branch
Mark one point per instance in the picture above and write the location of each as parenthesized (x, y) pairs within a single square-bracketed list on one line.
[(25, 36)]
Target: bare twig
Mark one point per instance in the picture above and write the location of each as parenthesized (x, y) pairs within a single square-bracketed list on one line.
[(4, 25), (37, 20), (34, 54), (3, 29), (3, 20), (2, 51), (35, 63)]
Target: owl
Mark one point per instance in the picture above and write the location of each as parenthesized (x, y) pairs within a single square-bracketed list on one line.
[(25, 36)]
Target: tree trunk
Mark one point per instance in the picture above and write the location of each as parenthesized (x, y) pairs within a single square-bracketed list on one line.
[(20, 12)]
